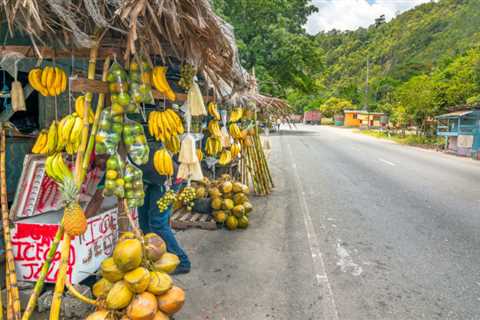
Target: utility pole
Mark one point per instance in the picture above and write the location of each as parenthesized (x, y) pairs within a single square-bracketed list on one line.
[(365, 107)]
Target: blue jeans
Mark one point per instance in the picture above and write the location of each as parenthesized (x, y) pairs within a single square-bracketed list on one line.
[(151, 220)]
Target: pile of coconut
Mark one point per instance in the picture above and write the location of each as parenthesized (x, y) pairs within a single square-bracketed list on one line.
[(135, 283)]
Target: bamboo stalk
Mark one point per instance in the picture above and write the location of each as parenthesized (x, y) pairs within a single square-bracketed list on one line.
[(32, 302), (98, 112), (62, 274), (10, 270)]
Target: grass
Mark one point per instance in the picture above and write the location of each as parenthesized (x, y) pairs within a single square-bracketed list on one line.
[(409, 139)]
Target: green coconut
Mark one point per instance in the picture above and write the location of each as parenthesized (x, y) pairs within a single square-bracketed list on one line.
[(128, 254), (137, 280)]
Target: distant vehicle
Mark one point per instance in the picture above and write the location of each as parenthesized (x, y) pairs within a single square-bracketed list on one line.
[(312, 117)]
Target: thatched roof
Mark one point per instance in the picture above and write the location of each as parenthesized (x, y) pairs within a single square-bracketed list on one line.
[(188, 28)]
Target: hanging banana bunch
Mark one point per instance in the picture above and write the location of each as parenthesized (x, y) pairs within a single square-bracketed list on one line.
[(214, 128), (159, 79), (162, 125), (162, 162), (213, 146), (225, 158), (213, 111), (235, 131), (236, 115), (235, 149), (173, 144), (49, 81), (80, 107), (57, 169)]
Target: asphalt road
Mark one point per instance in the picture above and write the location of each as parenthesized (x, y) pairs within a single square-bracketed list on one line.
[(357, 228)]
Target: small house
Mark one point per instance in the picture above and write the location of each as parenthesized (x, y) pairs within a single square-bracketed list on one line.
[(461, 130), (363, 119)]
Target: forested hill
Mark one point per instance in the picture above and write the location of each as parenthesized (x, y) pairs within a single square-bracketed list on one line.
[(432, 40)]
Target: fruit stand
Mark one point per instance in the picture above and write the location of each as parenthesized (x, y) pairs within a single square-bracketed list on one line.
[(125, 73)]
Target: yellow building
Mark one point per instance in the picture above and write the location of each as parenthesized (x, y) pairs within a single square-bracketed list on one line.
[(360, 118)]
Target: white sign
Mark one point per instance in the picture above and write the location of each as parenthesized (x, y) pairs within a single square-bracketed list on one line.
[(465, 141)]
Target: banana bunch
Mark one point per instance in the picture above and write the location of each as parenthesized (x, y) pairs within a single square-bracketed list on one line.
[(235, 149), (51, 81), (162, 162), (80, 108), (199, 154), (173, 144), (225, 158), (164, 124), (213, 111), (236, 115), (56, 168), (214, 128), (213, 146), (235, 131), (159, 79), (40, 145)]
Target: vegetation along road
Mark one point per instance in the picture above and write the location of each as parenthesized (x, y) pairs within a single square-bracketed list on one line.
[(358, 228)]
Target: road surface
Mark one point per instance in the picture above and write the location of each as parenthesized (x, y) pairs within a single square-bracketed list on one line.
[(357, 228)]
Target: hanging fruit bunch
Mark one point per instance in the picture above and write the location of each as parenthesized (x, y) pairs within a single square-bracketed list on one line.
[(225, 158), (109, 134), (118, 87), (135, 281), (230, 202), (134, 192), (114, 179), (187, 72), (213, 146), (140, 84), (167, 200), (159, 79), (136, 142), (213, 111), (162, 125), (187, 197), (163, 163), (49, 81)]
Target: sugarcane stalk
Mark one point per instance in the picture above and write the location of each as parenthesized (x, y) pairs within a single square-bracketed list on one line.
[(264, 161), (62, 275), (74, 292), (96, 121), (9, 258), (9, 307), (37, 290), (1, 306), (261, 168)]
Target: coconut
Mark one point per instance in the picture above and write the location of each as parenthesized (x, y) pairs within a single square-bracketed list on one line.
[(119, 296), (239, 198), (238, 211), (217, 203), (228, 196), (110, 270), (160, 282), (243, 222), (219, 216), (160, 316), (227, 187), (128, 254), (167, 263), (143, 307), (137, 280), (237, 187), (228, 204), (155, 247), (214, 193), (248, 207), (245, 189), (126, 235), (101, 288), (172, 301), (231, 223), (200, 192), (98, 315)]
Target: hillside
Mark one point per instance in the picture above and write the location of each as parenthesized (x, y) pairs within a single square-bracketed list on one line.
[(425, 40)]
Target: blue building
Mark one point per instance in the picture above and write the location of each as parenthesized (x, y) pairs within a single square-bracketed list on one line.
[(461, 130)]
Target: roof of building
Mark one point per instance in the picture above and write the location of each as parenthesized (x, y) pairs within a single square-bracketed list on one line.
[(459, 114), (363, 112)]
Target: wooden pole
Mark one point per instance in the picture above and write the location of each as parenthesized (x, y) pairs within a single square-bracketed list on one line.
[(12, 288)]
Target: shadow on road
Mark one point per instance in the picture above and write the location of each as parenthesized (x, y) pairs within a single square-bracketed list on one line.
[(294, 133)]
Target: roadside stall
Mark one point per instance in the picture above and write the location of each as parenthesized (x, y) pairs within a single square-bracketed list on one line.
[(91, 67)]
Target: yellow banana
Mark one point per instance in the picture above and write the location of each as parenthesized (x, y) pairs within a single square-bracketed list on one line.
[(199, 154), (67, 126), (76, 131), (52, 137), (63, 83), (159, 79), (40, 142), (213, 111), (34, 78), (58, 81), (44, 76)]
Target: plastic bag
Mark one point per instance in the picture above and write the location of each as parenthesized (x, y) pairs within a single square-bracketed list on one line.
[(118, 87), (141, 82), (114, 179), (109, 133), (136, 142), (134, 192)]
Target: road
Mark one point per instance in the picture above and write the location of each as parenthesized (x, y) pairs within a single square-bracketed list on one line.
[(357, 228)]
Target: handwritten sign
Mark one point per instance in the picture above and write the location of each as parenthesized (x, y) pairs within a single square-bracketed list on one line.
[(31, 242), (37, 193)]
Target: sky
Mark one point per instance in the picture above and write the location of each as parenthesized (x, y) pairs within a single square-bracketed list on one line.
[(352, 14)]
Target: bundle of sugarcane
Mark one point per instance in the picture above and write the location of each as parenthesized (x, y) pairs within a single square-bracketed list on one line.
[(254, 167)]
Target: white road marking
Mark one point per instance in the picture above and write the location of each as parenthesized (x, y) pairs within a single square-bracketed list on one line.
[(329, 307), (387, 162)]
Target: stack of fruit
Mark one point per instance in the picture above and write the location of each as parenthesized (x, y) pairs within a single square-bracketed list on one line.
[(230, 202), (136, 142), (114, 182), (134, 192), (140, 82), (135, 283), (51, 81)]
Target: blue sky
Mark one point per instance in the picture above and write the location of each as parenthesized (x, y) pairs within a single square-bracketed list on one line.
[(352, 14)]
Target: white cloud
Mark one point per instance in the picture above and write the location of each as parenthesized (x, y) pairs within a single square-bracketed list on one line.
[(352, 14)]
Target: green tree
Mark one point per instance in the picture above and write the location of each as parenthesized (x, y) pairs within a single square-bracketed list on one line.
[(335, 106)]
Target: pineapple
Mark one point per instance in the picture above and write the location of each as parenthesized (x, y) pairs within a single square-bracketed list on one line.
[(74, 220)]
